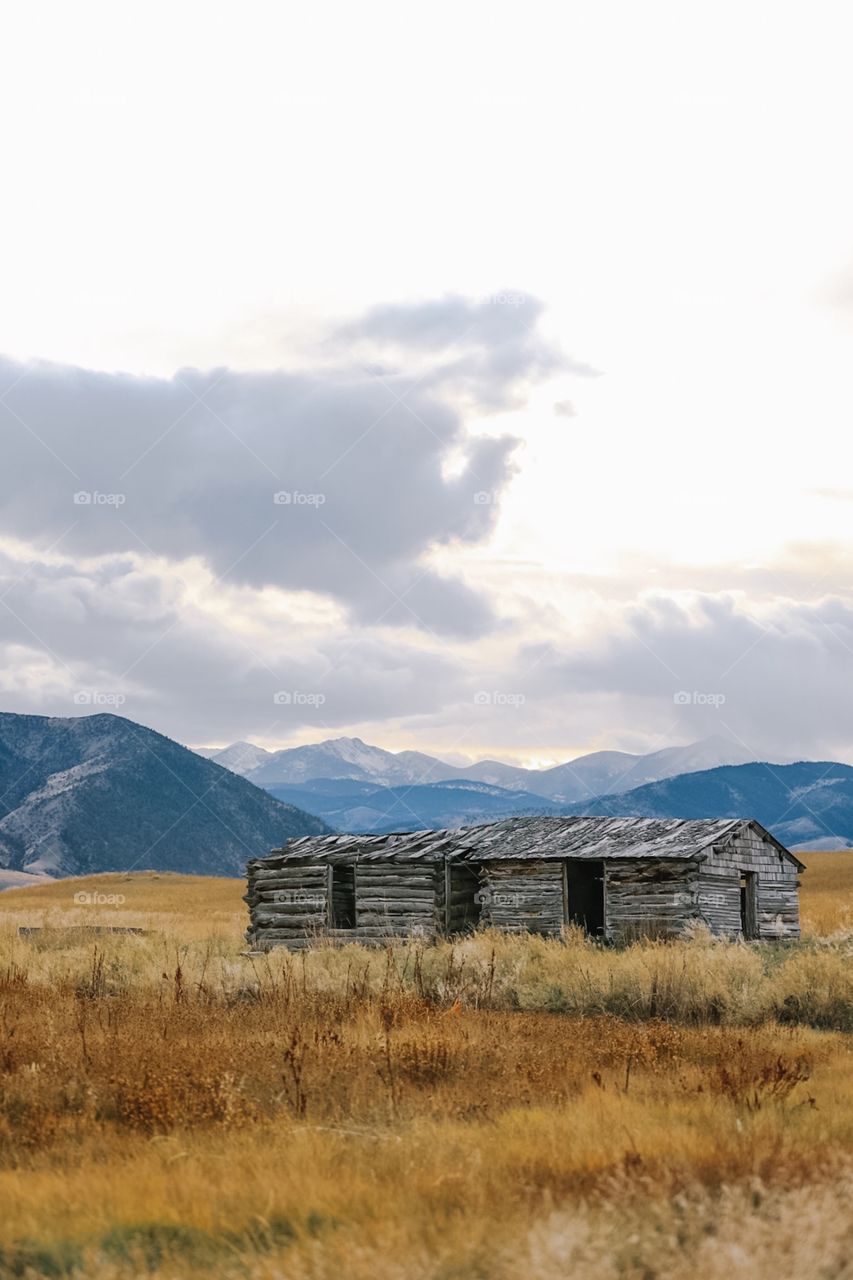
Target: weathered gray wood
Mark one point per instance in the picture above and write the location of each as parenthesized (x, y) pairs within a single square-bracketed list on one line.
[(656, 897), (290, 875), (660, 875), (523, 896), (394, 893)]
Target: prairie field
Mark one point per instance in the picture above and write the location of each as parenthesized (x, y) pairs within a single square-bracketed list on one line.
[(497, 1108)]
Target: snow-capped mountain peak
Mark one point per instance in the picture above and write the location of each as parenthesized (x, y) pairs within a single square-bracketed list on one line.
[(588, 776)]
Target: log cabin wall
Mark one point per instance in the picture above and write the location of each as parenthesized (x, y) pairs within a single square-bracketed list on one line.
[(522, 896), (652, 897), (459, 899), (288, 903), (397, 900), (776, 884), (296, 904), (718, 900)]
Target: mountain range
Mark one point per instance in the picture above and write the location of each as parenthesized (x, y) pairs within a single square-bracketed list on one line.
[(350, 805), (101, 793), (808, 805), (357, 787), (588, 776)]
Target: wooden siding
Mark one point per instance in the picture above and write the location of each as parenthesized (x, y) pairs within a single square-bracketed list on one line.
[(652, 898), (397, 899), (522, 897), (778, 899), (457, 898), (290, 905), (718, 900)]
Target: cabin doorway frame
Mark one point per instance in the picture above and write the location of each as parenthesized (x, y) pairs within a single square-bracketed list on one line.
[(585, 895), (461, 885), (749, 905), (342, 896)]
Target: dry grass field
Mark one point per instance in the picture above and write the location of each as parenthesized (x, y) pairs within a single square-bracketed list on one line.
[(500, 1108)]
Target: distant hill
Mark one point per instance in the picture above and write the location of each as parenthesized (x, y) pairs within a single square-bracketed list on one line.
[(100, 793), (588, 776), (363, 806), (807, 805)]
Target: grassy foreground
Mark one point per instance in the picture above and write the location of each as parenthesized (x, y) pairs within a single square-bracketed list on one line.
[(501, 1108)]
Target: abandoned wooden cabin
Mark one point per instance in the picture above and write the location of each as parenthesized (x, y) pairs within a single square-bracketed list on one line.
[(617, 878)]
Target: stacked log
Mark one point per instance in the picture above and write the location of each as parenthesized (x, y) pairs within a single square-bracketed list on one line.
[(287, 903), (522, 896)]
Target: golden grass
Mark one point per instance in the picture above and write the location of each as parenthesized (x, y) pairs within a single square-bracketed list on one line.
[(195, 906), (500, 1108), (827, 892)]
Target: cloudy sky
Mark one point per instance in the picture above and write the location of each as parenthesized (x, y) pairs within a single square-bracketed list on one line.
[(459, 379)]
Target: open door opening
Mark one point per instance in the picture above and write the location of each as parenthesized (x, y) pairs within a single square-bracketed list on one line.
[(583, 895), (749, 905), (463, 900), (342, 897)]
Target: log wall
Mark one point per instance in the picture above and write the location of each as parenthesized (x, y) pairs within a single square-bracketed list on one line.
[(399, 900), (458, 898), (522, 896), (296, 904), (655, 897), (290, 902), (778, 907)]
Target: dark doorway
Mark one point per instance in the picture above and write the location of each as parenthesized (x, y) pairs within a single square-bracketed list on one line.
[(749, 905), (342, 897), (463, 899), (583, 895)]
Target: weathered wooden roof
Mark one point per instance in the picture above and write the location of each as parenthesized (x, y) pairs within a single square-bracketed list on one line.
[(538, 837)]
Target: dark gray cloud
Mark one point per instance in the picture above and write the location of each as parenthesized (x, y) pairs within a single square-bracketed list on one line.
[(189, 466)]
